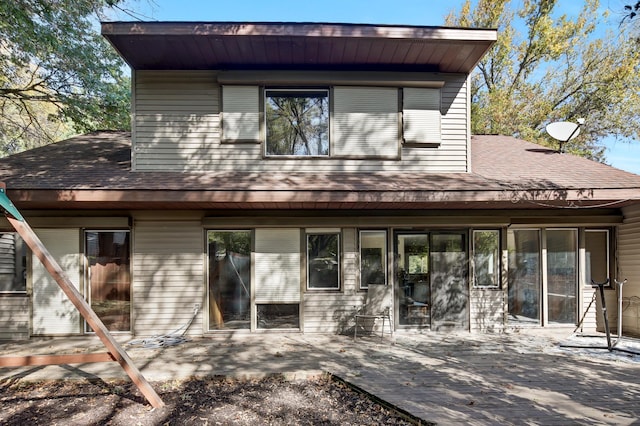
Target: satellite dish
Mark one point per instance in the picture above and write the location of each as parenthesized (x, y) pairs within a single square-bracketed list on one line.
[(564, 131)]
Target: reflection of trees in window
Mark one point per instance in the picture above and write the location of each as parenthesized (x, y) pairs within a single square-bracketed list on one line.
[(297, 122), (486, 260), (323, 261), (229, 279)]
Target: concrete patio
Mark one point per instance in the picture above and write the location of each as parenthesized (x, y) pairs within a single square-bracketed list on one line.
[(443, 378)]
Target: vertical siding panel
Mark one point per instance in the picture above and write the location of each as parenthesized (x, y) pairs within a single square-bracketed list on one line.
[(277, 266), (53, 312), (629, 268), (241, 113), (365, 122), (421, 115), (168, 276)]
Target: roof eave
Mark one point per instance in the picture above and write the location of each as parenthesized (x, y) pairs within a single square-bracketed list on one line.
[(198, 45)]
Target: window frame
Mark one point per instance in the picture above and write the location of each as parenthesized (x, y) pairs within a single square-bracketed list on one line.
[(338, 256), (498, 266), (301, 89), (384, 262)]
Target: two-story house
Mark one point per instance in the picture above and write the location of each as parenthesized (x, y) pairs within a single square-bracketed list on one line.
[(276, 171)]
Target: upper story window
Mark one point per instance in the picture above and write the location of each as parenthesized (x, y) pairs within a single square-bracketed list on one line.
[(347, 121), (297, 122)]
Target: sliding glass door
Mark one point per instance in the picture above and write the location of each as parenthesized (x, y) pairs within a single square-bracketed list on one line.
[(229, 279), (543, 291), (431, 273), (562, 275), (109, 277)]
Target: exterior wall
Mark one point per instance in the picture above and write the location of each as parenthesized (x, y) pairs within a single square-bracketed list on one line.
[(487, 310), (14, 317), (169, 270), (53, 312), (176, 126), (176, 121), (168, 276), (332, 312), (629, 268)]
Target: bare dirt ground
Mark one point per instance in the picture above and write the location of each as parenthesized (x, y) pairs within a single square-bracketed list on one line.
[(211, 401)]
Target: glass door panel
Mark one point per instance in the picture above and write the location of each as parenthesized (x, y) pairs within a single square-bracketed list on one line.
[(597, 252), (413, 290), (562, 275), (229, 279), (109, 277), (524, 275), (449, 290)]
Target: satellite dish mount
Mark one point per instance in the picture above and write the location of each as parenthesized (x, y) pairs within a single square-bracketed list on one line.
[(564, 131)]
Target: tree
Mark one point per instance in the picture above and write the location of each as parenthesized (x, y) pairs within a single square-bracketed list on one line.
[(57, 74), (556, 69)]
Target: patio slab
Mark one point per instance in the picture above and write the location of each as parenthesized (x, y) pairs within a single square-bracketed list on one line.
[(443, 378)]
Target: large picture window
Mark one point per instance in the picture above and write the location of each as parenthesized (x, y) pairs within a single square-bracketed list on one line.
[(323, 261), (297, 122)]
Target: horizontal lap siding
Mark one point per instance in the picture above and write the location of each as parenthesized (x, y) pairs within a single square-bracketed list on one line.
[(176, 120), (177, 127), (14, 317), (332, 312), (487, 310), (629, 268), (168, 276), (326, 312)]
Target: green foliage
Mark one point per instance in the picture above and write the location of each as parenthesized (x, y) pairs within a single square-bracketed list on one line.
[(557, 68), (57, 74)]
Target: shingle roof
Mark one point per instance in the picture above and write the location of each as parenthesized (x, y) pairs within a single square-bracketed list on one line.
[(527, 165), (94, 170)]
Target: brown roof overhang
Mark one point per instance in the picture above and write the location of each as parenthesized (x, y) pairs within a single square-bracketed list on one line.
[(286, 45), (316, 199), (94, 172)]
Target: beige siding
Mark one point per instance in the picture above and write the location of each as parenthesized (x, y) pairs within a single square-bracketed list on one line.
[(590, 312), (326, 312), (277, 266), (176, 120), (332, 312), (177, 127), (629, 268), (241, 116), (365, 122), (487, 309), (53, 312), (168, 276), (14, 317), (421, 115)]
